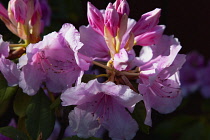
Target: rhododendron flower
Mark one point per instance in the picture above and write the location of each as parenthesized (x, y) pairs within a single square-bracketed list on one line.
[(113, 35), (159, 77), (53, 61), (7, 67), (204, 81), (189, 74), (102, 105)]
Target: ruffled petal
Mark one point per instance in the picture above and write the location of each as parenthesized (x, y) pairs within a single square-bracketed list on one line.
[(10, 71), (94, 44)]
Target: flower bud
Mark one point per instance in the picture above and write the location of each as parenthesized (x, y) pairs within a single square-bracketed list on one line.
[(147, 22), (17, 11), (95, 18), (47, 12), (111, 19), (3, 12), (122, 7)]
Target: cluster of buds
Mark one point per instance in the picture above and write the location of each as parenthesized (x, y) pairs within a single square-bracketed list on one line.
[(25, 18)]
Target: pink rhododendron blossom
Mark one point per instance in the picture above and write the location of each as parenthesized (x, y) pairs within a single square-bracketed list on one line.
[(189, 74), (52, 61), (7, 67), (113, 33), (102, 105), (159, 77)]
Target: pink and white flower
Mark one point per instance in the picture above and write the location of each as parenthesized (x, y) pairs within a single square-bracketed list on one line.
[(7, 67), (159, 76), (102, 105), (54, 61)]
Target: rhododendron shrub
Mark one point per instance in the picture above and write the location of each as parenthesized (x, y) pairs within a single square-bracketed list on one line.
[(91, 78)]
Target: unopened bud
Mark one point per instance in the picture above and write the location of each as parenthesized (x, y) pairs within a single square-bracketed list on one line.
[(111, 19), (147, 22), (17, 10), (95, 19), (122, 7)]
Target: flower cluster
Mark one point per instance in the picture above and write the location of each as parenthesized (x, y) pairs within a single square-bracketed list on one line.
[(59, 62), (193, 75)]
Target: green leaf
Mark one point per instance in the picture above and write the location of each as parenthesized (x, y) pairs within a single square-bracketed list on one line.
[(56, 103), (139, 114), (21, 103), (5, 91), (195, 132), (77, 138), (21, 125), (205, 105), (174, 126), (40, 118), (87, 77), (4, 106), (13, 133)]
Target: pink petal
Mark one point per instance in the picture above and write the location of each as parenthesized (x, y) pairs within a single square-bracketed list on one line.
[(147, 22)]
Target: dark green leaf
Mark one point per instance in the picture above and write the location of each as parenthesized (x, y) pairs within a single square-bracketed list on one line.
[(21, 103), (40, 118), (21, 125), (5, 91), (175, 126), (56, 103), (3, 106), (195, 132), (13, 133), (139, 114), (205, 106), (87, 77)]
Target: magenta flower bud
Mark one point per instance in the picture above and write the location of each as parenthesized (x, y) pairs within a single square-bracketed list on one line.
[(95, 18), (17, 11), (3, 12), (147, 22), (122, 7), (111, 19), (37, 14), (47, 12)]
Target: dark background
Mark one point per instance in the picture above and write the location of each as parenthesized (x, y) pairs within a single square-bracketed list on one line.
[(188, 20)]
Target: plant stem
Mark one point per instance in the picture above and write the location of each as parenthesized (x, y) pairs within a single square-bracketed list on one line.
[(102, 75), (17, 45), (101, 65)]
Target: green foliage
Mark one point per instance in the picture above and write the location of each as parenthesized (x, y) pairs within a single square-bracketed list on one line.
[(88, 77), (176, 126), (6, 93), (40, 118), (139, 115), (56, 103), (21, 103), (13, 133)]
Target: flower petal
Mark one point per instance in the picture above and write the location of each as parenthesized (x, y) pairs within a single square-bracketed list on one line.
[(94, 44)]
